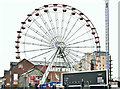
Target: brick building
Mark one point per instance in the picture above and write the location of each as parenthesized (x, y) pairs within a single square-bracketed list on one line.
[(7, 78), (30, 78), (2, 82), (19, 70), (55, 72), (16, 69)]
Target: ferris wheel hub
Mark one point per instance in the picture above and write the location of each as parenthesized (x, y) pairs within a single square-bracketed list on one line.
[(60, 45)]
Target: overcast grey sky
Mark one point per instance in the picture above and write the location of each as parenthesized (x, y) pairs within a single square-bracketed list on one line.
[(13, 12)]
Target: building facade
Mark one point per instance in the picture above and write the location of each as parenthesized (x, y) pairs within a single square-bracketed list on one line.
[(2, 82), (55, 72), (89, 58), (18, 68), (16, 76), (7, 78), (85, 62), (30, 78)]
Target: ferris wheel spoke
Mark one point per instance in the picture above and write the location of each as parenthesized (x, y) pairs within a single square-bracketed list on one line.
[(66, 60), (76, 32), (35, 50), (37, 32), (78, 36), (53, 27), (35, 38), (51, 23), (56, 20), (72, 53), (38, 24), (72, 58), (62, 25), (69, 63), (36, 44), (81, 47), (71, 29), (51, 57), (40, 54), (80, 42), (46, 24), (66, 27), (76, 55), (72, 62), (77, 51)]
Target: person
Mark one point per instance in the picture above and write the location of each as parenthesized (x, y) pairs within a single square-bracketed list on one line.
[(82, 84), (54, 87)]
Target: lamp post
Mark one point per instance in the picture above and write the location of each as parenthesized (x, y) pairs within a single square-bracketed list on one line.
[(12, 75)]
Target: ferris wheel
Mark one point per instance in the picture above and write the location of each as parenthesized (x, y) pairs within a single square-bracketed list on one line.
[(56, 33)]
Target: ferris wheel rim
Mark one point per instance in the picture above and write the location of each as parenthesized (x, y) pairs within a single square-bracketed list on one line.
[(90, 24)]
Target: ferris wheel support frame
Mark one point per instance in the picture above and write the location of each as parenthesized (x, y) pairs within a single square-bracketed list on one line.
[(47, 70), (42, 81)]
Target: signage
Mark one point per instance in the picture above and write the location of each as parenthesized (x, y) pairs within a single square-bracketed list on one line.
[(15, 77), (34, 80), (88, 77), (8, 84), (55, 69), (15, 83)]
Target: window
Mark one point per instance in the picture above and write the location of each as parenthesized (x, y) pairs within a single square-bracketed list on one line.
[(103, 68), (103, 61), (100, 65), (103, 65), (103, 57), (99, 68), (99, 61)]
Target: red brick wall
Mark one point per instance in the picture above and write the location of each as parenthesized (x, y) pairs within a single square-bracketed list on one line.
[(7, 77), (16, 70)]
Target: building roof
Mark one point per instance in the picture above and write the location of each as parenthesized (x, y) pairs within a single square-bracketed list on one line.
[(31, 71), (13, 63), (6, 71), (43, 63), (102, 53), (1, 78)]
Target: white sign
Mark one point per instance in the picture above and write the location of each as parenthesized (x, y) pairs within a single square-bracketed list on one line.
[(15, 77), (62, 69)]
